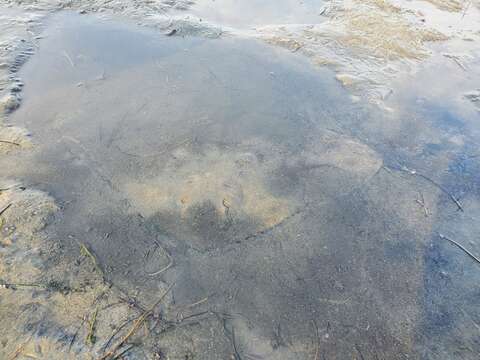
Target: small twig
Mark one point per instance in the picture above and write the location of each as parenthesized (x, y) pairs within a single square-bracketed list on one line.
[(52, 286), (22, 188), (162, 270), (422, 204), (470, 318), (460, 207), (456, 60), (131, 302), (68, 58), (415, 173), (120, 328), (193, 316), (226, 205), (124, 352), (182, 308), (17, 352), (234, 343), (86, 252), (197, 303), (139, 321), (466, 9), (14, 286), (5, 209), (273, 227), (91, 328), (29, 355), (165, 268), (359, 351), (230, 334), (170, 325), (9, 142), (461, 247), (74, 337), (317, 342)]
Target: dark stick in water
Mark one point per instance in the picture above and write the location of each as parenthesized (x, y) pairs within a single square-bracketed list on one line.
[(461, 247), (9, 142)]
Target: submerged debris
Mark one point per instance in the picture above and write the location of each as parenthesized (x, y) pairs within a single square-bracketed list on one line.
[(84, 251), (112, 353), (433, 182), (12, 138), (461, 247), (91, 328), (171, 32), (474, 97)]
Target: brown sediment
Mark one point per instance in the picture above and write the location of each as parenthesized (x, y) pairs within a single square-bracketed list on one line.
[(363, 41), (386, 36), (65, 295), (232, 178)]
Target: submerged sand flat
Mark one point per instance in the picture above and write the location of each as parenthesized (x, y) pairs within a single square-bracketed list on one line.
[(216, 180)]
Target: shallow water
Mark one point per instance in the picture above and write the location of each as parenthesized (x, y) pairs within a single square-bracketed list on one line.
[(263, 181), (257, 12)]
